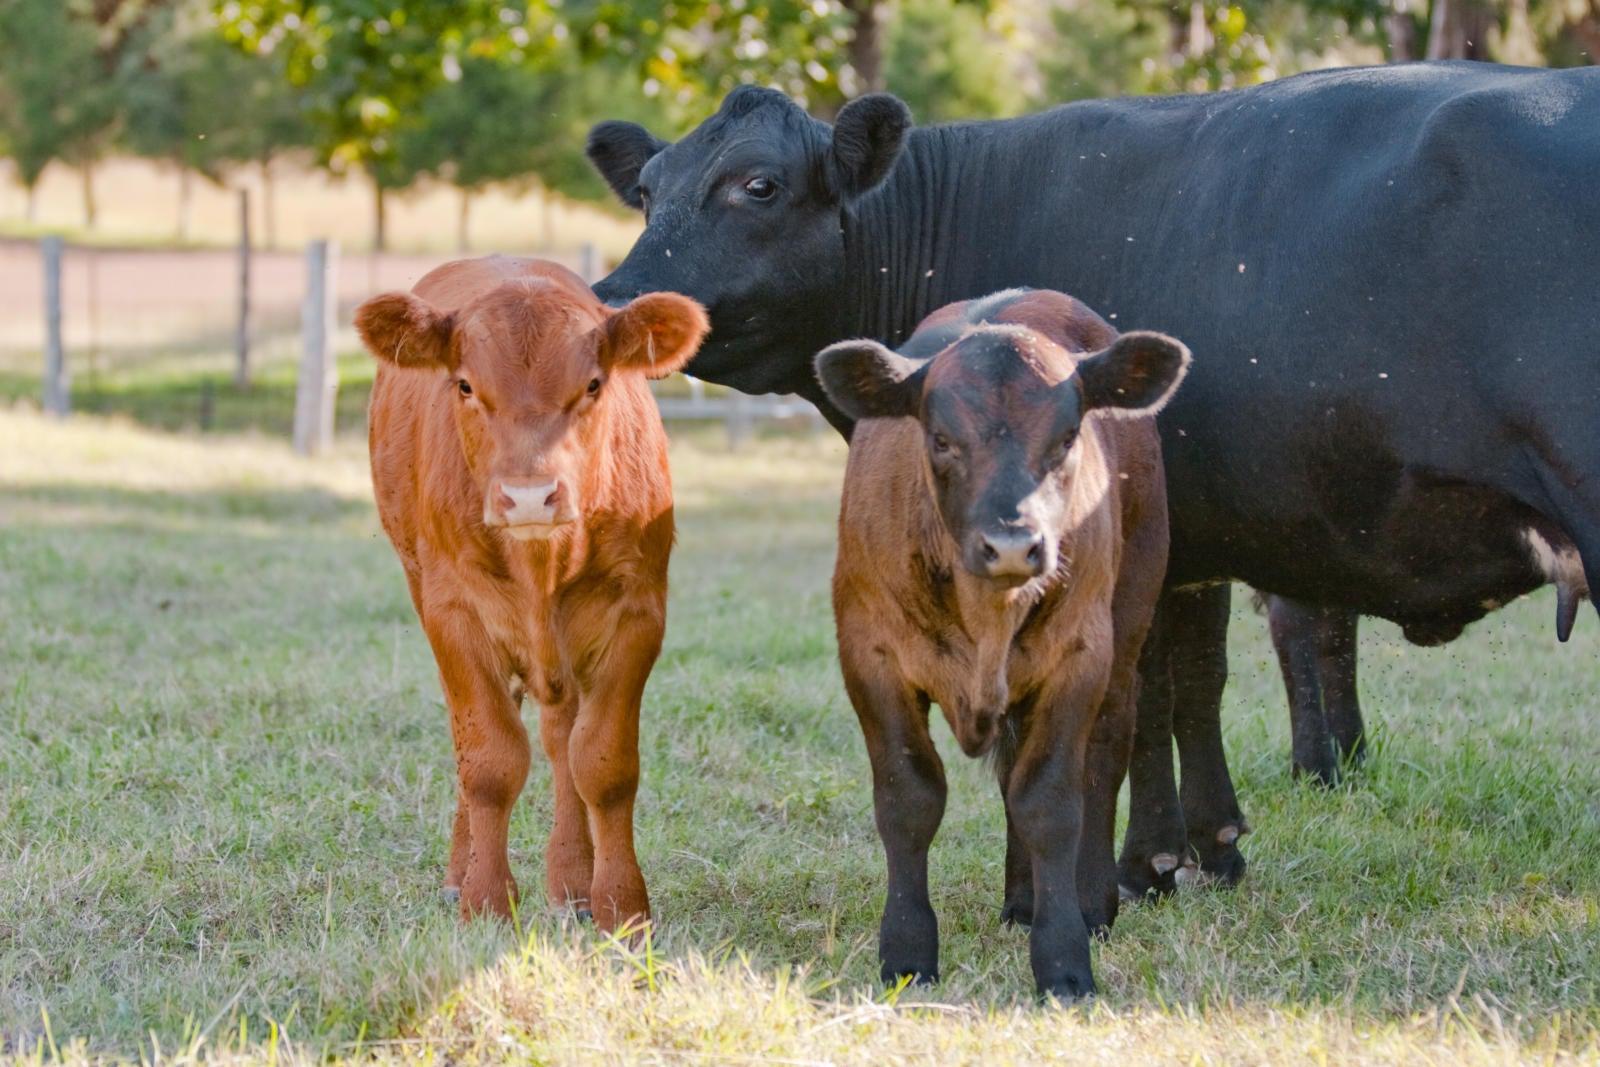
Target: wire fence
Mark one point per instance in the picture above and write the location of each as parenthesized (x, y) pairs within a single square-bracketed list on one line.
[(154, 334)]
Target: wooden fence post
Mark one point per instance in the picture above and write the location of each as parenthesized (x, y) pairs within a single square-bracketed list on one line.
[(589, 263), (740, 419), (241, 343), (57, 382), (318, 386)]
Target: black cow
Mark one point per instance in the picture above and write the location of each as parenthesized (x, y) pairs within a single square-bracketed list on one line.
[(1386, 275)]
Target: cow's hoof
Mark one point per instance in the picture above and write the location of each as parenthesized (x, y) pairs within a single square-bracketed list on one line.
[(1017, 911), (1069, 989), (1098, 922), (1145, 878), (1221, 862), (451, 894)]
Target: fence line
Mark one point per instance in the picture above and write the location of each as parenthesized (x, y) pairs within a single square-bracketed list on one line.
[(190, 286)]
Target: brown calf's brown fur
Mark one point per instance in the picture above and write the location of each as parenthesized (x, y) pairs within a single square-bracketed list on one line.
[(1042, 673), (520, 469)]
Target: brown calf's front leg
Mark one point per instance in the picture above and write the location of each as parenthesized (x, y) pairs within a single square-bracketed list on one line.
[(492, 759), (569, 854), (603, 755)]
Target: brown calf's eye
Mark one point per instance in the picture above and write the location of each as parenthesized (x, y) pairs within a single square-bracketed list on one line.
[(464, 387), (594, 386)]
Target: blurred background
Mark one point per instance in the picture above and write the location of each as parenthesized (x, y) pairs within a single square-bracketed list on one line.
[(189, 151)]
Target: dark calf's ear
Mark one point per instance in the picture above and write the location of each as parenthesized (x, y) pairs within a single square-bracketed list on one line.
[(654, 334), (867, 137), (867, 381), (1136, 375), (405, 330), (619, 151)]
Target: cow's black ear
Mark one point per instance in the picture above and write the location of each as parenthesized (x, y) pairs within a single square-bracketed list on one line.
[(619, 151), (1136, 375), (867, 381), (867, 137)]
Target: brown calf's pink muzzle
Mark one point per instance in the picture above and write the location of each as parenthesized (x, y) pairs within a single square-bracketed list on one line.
[(528, 506)]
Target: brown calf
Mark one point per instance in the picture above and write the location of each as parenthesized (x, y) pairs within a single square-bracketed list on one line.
[(1002, 543), (520, 470)]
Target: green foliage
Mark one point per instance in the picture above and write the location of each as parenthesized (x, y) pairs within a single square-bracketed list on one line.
[(56, 101), (947, 62)]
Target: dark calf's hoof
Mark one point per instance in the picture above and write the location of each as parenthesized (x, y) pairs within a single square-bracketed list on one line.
[(1067, 988), (924, 976), (1098, 922), (1323, 773)]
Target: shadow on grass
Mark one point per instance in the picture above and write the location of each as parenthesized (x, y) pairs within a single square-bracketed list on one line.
[(123, 507)]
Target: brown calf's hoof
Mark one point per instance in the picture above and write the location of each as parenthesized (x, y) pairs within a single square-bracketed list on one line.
[(450, 894)]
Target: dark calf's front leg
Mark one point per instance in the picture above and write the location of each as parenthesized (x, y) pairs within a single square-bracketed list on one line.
[(1045, 795), (1198, 645), (1017, 907), (908, 796)]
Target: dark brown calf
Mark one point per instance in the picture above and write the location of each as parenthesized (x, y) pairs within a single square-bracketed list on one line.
[(1002, 543), (521, 473)]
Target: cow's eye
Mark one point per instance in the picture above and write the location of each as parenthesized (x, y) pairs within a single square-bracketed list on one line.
[(594, 386), (463, 387), (761, 188)]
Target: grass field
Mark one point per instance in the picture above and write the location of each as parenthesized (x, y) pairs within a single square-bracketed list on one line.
[(225, 788)]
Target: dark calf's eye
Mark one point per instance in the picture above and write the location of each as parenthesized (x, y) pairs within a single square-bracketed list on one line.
[(761, 188), (941, 443), (463, 387)]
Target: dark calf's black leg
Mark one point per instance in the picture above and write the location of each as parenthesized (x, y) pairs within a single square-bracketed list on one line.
[(1045, 797), (1017, 908), (908, 795), (1198, 646), (1156, 842), (1297, 637)]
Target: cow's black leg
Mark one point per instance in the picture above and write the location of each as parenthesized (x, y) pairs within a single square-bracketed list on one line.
[(1341, 705), (1197, 637), (1297, 633), (1155, 842)]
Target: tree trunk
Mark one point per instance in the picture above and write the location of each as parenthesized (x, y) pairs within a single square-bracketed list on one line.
[(269, 207), (33, 204), (185, 201), (463, 218), (1459, 30), (549, 220), (1401, 30), (380, 218), (866, 45), (91, 210)]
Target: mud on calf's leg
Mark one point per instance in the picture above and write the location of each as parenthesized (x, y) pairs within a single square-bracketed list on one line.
[(1198, 637)]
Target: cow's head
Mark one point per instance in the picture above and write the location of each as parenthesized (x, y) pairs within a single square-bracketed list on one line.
[(743, 214), (1001, 410), (529, 370)]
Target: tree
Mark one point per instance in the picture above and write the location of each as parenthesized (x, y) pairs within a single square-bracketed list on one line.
[(55, 102), (366, 66), (947, 61)]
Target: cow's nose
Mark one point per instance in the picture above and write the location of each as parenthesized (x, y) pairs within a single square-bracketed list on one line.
[(1012, 553), (520, 503)]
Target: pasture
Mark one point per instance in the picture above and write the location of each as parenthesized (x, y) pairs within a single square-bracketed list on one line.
[(226, 784)]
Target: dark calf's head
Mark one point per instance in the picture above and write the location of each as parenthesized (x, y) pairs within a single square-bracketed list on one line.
[(1001, 410), (528, 368), (743, 215)]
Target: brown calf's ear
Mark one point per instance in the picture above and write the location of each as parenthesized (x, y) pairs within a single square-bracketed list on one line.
[(1136, 375), (405, 330), (654, 334), (866, 380)]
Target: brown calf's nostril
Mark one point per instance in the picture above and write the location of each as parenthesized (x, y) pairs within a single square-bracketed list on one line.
[(555, 494)]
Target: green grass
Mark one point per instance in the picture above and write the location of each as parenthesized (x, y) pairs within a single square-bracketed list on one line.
[(225, 788)]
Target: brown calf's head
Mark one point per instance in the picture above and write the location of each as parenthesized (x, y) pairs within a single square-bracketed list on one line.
[(527, 366), (1001, 409)]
